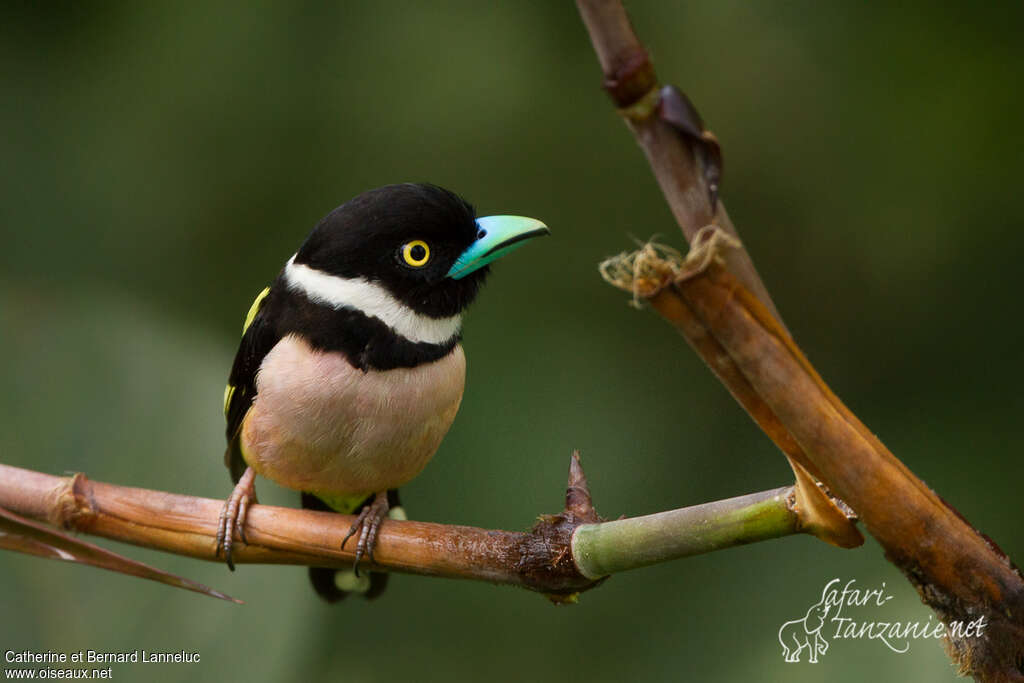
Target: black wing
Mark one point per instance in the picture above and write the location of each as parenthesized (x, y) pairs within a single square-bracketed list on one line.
[(259, 336)]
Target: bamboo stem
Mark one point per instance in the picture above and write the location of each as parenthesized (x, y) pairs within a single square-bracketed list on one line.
[(959, 573), (629, 77), (612, 547), (550, 558)]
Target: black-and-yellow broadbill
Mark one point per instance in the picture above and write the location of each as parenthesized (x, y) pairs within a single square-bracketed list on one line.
[(350, 370)]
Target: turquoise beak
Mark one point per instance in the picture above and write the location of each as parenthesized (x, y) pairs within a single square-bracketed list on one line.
[(496, 236)]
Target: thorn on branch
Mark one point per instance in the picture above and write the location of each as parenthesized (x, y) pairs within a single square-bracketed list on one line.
[(676, 109), (546, 562), (578, 502)]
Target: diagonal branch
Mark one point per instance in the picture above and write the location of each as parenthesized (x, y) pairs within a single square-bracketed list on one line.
[(673, 149), (34, 538), (959, 573), (723, 310), (687, 163)]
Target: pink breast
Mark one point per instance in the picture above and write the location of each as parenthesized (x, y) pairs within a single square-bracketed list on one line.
[(319, 424)]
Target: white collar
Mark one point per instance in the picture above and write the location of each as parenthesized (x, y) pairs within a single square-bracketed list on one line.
[(371, 299)]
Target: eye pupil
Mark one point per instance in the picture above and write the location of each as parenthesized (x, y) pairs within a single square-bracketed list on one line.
[(415, 253)]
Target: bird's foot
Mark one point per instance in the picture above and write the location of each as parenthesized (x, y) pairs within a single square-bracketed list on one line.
[(368, 525), (232, 515)]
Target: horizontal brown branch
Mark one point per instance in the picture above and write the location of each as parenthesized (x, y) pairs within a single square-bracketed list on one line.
[(560, 556), (187, 525)]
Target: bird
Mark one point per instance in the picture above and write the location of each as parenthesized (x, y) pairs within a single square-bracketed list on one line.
[(350, 370)]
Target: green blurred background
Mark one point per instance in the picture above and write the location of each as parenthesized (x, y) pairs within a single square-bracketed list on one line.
[(161, 160)]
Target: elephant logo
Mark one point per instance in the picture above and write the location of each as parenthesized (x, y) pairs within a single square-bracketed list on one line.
[(805, 634)]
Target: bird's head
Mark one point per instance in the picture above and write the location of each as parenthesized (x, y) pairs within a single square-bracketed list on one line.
[(421, 243)]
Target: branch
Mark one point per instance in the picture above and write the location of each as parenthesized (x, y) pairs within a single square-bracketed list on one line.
[(562, 555), (32, 538), (673, 138), (612, 547), (687, 163), (717, 301), (958, 572)]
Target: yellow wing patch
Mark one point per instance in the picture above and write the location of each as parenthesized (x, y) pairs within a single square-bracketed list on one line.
[(254, 309), (229, 390)]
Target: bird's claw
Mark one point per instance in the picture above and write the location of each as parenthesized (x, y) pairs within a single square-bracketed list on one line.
[(233, 514), (368, 526)]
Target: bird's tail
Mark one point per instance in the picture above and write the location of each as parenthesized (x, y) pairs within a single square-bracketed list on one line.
[(333, 584)]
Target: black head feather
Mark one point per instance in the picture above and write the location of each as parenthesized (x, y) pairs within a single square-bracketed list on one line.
[(364, 237)]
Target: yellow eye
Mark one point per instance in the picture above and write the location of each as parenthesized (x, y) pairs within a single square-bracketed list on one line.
[(416, 253)]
